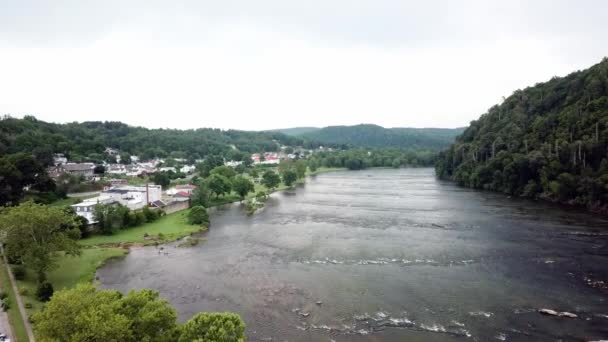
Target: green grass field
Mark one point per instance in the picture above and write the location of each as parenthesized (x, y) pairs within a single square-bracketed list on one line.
[(71, 270), (14, 316), (172, 226)]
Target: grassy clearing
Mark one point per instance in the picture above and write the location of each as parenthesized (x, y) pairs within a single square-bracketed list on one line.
[(14, 316), (70, 271), (172, 226)]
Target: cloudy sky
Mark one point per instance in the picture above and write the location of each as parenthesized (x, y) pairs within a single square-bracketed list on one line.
[(276, 63)]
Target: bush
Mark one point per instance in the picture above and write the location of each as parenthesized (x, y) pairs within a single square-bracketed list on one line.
[(151, 215), (44, 291), (19, 272), (6, 304), (198, 215), (23, 291), (28, 305), (3, 295)]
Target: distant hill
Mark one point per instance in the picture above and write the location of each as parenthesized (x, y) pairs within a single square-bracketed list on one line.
[(548, 141), (366, 135), (295, 131)]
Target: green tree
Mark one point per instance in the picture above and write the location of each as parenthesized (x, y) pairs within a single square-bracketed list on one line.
[(300, 167), (162, 178), (87, 314), (217, 327), (225, 171), (289, 177), (34, 233), (219, 184), (200, 195), (198, 215), (242, 186), (312, 165), (271, 179)]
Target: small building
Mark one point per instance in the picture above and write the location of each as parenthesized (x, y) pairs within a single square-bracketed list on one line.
[(86, 208), (79, 169), (187, 188), (134, 197), (59, 159)]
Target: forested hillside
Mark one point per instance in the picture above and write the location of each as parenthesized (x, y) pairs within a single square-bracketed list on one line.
[(373, 136), (87, 140), (546, 141), (295, 131)]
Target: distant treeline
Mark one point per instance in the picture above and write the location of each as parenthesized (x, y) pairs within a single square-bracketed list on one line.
[(357, 159), (548, 141), (373, 136), (86, 141)]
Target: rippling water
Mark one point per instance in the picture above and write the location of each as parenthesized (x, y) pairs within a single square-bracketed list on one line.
[(389, 255)]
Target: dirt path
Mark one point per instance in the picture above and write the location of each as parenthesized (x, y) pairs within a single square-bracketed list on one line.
[(5, 326), (24, 316)]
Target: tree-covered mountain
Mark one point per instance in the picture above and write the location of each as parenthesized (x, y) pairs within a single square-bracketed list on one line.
[(296, 131), (88, 140), (373, 136), (548, 141)]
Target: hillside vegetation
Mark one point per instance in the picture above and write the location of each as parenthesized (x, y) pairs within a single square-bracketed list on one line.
[(82, 141), (373, 136), (547, 141)]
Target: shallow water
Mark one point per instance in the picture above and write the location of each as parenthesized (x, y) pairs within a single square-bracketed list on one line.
[(392, 255)]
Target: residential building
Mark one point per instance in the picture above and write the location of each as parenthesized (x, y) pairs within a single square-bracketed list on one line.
[(186, 188), (59, 159), (86, 208), (134, 197), (79, 169)]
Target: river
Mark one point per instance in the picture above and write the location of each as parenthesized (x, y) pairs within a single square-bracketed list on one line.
[(393, 255)]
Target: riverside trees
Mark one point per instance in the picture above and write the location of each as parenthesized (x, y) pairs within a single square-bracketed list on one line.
[(87, 314), (33, 234)]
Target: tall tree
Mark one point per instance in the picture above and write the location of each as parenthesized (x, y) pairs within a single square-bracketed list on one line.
[(242, 186), (271, 179), (34, 233)]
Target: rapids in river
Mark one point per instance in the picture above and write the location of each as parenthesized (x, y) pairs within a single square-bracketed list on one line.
[(388, 255)]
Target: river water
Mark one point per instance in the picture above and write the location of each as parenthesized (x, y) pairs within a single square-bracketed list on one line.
[(393, 255)]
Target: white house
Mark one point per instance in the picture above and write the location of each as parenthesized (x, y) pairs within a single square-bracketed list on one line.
[(134, 197), (86, 208), (59, 158), (187, 169)]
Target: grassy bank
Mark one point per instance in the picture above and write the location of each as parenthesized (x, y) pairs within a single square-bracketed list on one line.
[(14, 317), (70, 271), (172, 226)]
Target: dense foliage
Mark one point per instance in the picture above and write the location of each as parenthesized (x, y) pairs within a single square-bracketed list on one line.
[(87, 314), (372, 136), (32, 234), (546, 141), (88, 140), (198, 215), (357, 159)]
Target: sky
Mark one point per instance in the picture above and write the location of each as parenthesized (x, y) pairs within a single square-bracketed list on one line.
[(268, 64)]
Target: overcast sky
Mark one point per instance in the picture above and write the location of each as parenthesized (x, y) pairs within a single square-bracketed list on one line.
[(276, 63)]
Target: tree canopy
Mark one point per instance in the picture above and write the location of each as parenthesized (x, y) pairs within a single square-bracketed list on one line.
[(33, 233), (548, 141)]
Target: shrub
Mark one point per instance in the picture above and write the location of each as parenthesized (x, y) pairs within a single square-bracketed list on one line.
[(6, 304), (3, 295), (151, 215), (23, 291), (19, 272), (198, 215), (28, 305), (44, 291)]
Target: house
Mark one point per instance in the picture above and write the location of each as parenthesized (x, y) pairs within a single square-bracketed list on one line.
[(59, 159), (110, 151), (233, 163), (86, 208), (117, 182), (167, 169), (187, 169), (79, 169), (186, 188), (134, 197)]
